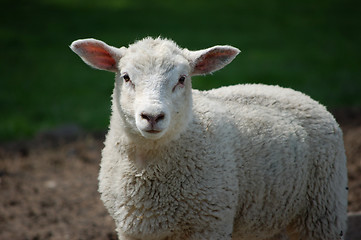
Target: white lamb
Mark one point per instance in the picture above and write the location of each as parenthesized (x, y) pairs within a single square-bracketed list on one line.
[(239, 162)]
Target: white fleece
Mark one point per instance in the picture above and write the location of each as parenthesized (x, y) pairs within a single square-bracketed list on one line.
[(238, 162)]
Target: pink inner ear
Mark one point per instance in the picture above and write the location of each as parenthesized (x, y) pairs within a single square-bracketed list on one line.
[(212, 60), (97, 56)]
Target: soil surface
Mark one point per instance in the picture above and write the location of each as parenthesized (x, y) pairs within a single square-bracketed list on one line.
[(48, 185)]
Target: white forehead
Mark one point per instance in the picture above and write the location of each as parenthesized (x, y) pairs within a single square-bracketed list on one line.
[(153, 56)]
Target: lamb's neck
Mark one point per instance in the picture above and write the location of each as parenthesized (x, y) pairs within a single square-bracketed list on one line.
[(144, 157)]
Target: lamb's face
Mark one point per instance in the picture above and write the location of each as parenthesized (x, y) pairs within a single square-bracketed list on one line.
[(155, 90), (153, 86)]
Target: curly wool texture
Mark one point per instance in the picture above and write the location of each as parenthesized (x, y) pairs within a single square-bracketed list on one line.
[(248, 162), (259, 155)]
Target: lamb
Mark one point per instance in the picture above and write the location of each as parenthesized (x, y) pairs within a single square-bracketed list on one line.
[(241, 162)]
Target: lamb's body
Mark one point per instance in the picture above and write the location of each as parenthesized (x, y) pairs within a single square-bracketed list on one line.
[(248, 162), (281, 165)]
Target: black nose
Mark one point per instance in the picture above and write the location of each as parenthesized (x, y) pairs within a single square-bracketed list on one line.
[(152, 119)]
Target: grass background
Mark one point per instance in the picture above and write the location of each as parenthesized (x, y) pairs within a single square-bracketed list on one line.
[(311, 46)]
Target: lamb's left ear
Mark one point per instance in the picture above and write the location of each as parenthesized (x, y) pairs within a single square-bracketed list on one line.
[(97, 54), (211, 59)]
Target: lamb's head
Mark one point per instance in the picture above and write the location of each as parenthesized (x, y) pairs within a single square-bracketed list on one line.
[(153, 92)]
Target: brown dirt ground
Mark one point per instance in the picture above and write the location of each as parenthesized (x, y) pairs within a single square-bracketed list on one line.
[(48, 185)]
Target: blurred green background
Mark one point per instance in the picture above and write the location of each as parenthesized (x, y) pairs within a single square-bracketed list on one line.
[(311, 46)]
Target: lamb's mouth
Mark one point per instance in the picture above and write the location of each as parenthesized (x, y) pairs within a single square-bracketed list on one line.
[(152, 134), (152, 131)]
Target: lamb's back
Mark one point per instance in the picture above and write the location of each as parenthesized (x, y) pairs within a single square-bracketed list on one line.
[(274, 103), (279, 137)]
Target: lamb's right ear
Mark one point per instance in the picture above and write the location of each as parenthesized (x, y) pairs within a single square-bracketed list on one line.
[(97, 54)]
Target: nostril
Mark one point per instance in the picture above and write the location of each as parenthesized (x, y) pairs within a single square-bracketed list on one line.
[(159, 117), (146, 116)]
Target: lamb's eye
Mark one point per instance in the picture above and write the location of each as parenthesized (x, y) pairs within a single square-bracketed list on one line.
[(126, 78), (181, 79), (180, 83)]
